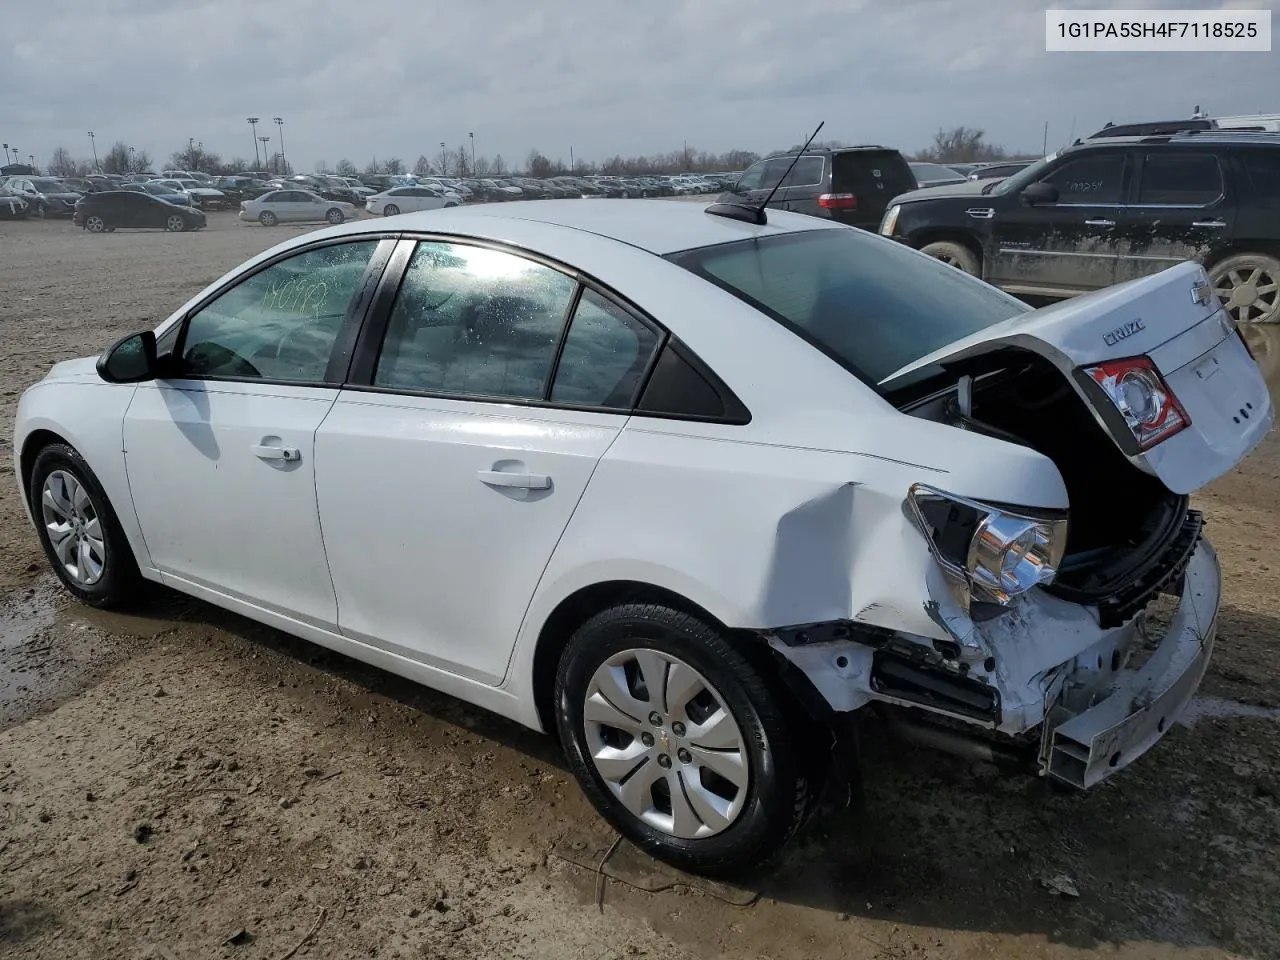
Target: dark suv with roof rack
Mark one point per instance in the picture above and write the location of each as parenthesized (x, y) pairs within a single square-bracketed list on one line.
[(852, 185), (1108, 210)]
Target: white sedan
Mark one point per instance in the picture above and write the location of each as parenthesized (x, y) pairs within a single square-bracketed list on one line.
[(680, 483), (409, 200), (295, 205)]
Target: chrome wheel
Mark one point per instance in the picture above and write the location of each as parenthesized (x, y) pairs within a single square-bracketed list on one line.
[(74, 529), (1249, 288), (334, 216), (665, 743), (95, 224), (175, 224), (390, 210)]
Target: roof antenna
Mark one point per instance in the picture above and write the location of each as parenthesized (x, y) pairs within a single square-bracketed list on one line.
[(756, 215)]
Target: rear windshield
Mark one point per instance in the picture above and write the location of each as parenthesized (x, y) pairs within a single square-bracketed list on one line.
[(871, 304), (875, 176)]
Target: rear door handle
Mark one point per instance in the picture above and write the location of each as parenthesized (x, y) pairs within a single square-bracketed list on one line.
[(266, 452), (1216, 224), (523, 481), (1100, 223)]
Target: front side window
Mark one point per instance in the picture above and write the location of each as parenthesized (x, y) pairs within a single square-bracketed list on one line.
[(1089, 180), (870, 304), (282, 322), (473, 321), (605, 355), (1180, 179)]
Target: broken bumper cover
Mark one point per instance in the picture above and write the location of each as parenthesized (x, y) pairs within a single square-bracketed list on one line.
[(1091, 745)]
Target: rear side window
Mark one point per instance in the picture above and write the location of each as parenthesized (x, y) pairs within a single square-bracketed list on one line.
[(1263, 169), (1180, 179), (807, 173), (605, 355), (868, 303)]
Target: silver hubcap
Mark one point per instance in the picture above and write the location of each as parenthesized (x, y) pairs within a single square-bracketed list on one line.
[(665, 744), (176, 223), (1250, 294), (73, 527), (96, 224)]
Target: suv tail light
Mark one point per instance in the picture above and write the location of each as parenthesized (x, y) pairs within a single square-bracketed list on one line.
[(1143, 399), (838, 201)]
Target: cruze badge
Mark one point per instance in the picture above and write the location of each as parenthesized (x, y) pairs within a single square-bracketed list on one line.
[(1123, 333), (1201, 291)]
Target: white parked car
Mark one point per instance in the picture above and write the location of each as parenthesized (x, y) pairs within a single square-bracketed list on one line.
[(408, 200), (296, 205), (682, 485)]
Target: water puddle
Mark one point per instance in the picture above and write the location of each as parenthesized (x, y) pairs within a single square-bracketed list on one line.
[(1201, 708)]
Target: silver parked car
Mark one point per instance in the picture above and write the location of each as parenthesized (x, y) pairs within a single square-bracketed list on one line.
[(296, 205)]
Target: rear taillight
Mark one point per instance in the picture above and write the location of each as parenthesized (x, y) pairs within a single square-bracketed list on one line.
[(838, 201), (1142, 398)]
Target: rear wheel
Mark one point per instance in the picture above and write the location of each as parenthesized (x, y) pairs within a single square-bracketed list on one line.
[(1249, 286), (95, 224), (268, 219), (390, 210), (176, 223), (955, 254), (79, 531), (335, 216), (679, 741)]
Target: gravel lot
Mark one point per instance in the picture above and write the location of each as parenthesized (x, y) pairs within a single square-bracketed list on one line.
[(184, 783)]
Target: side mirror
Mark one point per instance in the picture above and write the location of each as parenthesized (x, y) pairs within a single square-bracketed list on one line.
[(131, 359), (1038, 193)]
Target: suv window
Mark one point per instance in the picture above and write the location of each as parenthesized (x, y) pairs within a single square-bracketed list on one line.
[(1263, 168), (808, 173), (282, 322), (1089, 180), (872, 306), (476, 322), (1183, 179), (605, 355)]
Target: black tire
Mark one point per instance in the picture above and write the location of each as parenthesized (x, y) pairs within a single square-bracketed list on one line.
[(176, 223), (120, 584), (268, 219), (955, 254), (390, 210), (779, 790), (95, 223), (40, 211), (335, 216)]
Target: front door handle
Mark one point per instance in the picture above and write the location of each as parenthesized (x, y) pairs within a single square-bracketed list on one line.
[(1100, 223), (1215, 224), (266, 452), (523, 481)]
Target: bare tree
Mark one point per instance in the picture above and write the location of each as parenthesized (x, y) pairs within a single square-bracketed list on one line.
[(462, 163), (322, 168), (62, 164), (498, 167), (346, 168), (961, 145), (394, 166), (538, 165), (422, 168), (117, 159), (483, 167), (141, 162)]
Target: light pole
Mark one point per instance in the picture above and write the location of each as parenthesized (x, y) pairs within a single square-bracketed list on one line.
[(32, 158), (473, 153), (265, 156), (279, 122), (253, 123), (131, 164), (572, 167), (93, 144), (191, 152), (444, 160), (6, 153)]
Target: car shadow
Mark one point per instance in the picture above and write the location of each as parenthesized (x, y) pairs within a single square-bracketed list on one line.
[(1157, 856), (21, 920)]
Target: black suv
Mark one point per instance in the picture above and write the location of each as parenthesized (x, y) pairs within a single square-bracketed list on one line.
[(852, 184), (1109, 210)]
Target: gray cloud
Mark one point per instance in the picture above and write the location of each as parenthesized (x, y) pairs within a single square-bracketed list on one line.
[(386, 78)]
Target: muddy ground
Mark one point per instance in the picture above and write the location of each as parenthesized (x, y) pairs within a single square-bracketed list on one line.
[(184, 783)]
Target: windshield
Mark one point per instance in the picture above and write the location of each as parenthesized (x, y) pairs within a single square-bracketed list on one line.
[(1025, 176), (50, 186), (870, 304)]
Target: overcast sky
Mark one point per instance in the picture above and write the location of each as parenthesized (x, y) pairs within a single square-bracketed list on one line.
[(395, 77)]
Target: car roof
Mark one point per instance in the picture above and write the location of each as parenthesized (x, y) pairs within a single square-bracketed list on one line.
[(1218, 136), (657, 226)]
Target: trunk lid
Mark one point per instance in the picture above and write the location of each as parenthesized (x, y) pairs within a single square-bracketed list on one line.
[(1172, 318)]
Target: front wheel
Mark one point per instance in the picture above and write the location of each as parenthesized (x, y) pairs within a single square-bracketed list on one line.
[(79, 531), (390, 210), (335, 216), (679, 740), (268, 219), (95, 224), (955, 254), (176, 224), (1249, 287)]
